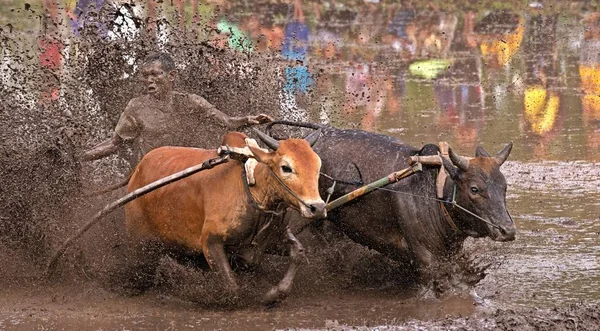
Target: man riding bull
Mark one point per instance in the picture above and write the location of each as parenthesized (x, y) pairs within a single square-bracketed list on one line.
[(164, 117)]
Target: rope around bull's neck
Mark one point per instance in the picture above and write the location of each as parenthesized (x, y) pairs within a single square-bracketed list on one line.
[(453, 203)]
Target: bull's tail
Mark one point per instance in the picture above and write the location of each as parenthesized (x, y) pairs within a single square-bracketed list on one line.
[(110, 188), (307, 125), (209, 164)]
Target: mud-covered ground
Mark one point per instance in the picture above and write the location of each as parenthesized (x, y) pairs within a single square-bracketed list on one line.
[(88, 308)]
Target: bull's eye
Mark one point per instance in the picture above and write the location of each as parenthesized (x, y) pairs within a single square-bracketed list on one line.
[(286, 169), (474, 190)]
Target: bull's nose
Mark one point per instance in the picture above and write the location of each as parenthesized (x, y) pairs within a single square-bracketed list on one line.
[(318, 209), (509, 233)]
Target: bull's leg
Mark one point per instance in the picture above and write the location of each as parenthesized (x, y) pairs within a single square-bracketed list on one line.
[(283, 289), (214, 252), (429, 273)]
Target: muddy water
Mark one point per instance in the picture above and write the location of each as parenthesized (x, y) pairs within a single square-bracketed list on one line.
[(541, 96), (158, 312), (556, 256)]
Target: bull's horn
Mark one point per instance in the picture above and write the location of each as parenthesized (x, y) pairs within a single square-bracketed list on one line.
[(481, 152), (450, 169), (269, 141), (461, 162), (503, 154), (313, 137)]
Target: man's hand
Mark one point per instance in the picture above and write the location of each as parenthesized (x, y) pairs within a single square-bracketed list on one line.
[(101, 150), (258, 119)]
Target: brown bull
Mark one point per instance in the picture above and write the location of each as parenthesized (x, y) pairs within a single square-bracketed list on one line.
[(215, 212)]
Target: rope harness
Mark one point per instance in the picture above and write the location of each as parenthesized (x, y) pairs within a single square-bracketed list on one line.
[(292, 193), (331, 189), (243, 155), (447, 216), (444, 209)]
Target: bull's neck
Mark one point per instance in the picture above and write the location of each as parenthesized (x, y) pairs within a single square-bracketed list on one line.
[(264, 191), (452, 222)]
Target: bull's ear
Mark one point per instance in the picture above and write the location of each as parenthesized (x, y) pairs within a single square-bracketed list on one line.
[(450, 169), (481, 152), (503, 154), (260, 155)]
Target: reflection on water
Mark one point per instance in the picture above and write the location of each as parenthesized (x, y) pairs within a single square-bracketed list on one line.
[(494, 77), (424, 75), (415, 71), (157, 312), (312, 313)]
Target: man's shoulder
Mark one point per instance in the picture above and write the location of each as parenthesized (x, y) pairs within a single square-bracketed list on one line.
[(138, 102), (184, 95), (196, 100), (179, 94)]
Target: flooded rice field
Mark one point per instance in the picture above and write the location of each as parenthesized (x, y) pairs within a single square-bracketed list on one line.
[(469, 74)]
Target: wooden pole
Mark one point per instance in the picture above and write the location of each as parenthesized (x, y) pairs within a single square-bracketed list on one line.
[(426, 160), (442, 175), (389, 179)]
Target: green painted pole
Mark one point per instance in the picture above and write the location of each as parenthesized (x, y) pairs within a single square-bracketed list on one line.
[(389, 179)]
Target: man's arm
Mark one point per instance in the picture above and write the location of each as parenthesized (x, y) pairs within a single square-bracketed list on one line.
[(126, 130), (226, 120), (103, 149)]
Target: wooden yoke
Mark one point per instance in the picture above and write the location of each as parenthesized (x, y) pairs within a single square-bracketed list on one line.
[(435, 160), (245, 155), (441, 179)]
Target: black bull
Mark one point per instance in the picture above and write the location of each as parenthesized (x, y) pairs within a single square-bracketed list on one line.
[(404, 221)]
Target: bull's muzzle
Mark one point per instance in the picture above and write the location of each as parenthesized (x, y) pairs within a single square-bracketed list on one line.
[(315, 209), (507, 233)]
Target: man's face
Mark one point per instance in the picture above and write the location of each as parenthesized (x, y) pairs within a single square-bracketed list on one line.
[(158, 82)]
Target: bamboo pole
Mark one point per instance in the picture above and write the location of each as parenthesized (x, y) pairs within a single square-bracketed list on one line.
[(389, 179)]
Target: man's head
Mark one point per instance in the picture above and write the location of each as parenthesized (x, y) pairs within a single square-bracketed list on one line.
[(158, 73)]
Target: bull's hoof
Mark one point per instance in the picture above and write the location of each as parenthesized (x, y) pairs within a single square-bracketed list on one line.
[(274, 297)]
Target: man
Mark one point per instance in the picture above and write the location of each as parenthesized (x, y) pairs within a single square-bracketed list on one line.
[(164, 117)]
